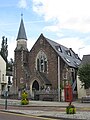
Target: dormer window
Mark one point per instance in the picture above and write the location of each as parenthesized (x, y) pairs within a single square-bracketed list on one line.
[(67, 59), (68, 52), (59, 48), (76, 56), (41, 62), (76, 63)]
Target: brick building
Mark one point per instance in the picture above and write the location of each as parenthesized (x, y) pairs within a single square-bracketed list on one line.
[(48, 65)]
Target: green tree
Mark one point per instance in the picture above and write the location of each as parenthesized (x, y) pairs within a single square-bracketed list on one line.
[(9, 65), (84, 75), (4, 48), (4, 54)]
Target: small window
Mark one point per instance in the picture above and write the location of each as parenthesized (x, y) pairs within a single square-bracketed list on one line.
[(2, 77), (67, 60), (38, 64), (76, 56), (77, 64), (9, 81), (68, 52), (45, 63), (59, 48)]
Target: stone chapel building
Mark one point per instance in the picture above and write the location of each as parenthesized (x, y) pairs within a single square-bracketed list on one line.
[(47, 65)]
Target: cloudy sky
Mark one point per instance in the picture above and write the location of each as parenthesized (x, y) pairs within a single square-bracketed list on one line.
[(64, 21)]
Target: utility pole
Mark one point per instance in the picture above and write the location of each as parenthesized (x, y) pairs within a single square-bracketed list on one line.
[(59, 92)]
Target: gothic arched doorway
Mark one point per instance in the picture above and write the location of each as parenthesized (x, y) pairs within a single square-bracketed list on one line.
[(35, 85)]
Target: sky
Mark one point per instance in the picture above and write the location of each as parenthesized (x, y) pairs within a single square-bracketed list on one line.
[(66, 22)]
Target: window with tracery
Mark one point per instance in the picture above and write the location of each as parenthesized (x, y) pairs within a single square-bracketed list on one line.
[(41, 62)]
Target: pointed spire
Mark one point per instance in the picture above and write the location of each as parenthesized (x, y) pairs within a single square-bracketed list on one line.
[(21, 32), (21, 15)]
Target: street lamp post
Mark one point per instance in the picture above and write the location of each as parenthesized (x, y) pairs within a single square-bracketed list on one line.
[(6, 95)]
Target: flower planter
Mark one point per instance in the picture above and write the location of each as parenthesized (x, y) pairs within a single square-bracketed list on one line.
[(24, 100), (70, 109)]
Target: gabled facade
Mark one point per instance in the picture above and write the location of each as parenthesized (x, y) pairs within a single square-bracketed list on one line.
[(3, 80), (48, 65), (53, 65)]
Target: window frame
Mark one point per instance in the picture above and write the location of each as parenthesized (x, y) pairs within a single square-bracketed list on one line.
[(41, 62)]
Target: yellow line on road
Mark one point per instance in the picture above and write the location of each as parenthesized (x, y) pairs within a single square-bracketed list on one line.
[(24, 115)]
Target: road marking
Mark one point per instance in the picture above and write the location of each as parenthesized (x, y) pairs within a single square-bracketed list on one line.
[(25, 115)]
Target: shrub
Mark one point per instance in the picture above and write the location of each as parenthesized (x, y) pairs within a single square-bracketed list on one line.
[(24, 100)]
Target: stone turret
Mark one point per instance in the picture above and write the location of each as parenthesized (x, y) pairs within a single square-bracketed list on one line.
[(21, 53)]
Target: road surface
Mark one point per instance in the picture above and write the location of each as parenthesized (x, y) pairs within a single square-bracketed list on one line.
[(14, 116)]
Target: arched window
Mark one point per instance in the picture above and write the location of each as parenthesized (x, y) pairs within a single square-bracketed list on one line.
[(41, 62)]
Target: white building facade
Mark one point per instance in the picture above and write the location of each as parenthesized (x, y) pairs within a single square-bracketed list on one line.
[(3, 80), (80, 89)]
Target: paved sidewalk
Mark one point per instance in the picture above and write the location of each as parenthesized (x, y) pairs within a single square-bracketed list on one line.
[(45, 103), (83, 114)]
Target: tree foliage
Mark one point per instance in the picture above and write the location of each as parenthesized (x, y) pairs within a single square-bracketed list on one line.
[(4, 48), (84, 75), (4, 54), (9, 65)]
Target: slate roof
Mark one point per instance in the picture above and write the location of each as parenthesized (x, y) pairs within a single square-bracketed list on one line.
[(67, 54), (21, 32)]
